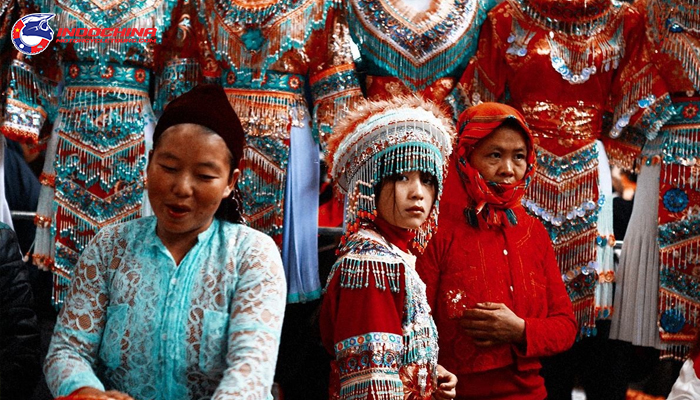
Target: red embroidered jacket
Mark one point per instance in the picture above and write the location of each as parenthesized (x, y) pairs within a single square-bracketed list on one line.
[(514, 266)]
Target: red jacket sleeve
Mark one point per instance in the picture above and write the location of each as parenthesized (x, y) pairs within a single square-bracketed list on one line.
[(556, 332), (428, 267)]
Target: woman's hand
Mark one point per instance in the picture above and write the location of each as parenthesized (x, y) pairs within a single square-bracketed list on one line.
[(447, 382), (491, 324), (96, 394)]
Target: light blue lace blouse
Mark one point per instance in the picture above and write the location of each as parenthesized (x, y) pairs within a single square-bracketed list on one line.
[(136, 322)]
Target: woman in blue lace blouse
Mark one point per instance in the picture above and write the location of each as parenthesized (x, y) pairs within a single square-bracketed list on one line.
[(183, 304)]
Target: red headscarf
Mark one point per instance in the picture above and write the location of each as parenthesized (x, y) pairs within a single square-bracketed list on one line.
[(490, 204)]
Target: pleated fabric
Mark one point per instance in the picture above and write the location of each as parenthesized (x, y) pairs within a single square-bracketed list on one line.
[(637, 291)]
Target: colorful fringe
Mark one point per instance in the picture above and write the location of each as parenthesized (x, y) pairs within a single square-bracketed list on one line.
[(123, 14), (178, 77), (287, 25), (30, 101), (100, 159), (418, 49), (564, 196), (267, 115)]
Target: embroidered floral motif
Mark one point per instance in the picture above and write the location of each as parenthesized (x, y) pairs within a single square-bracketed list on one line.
[(690, 111), (675, 200)]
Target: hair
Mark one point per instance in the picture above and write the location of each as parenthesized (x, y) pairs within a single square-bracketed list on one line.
[(230, 207)]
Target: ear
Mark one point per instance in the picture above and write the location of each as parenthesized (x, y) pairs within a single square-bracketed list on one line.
[(235, 174), (148, 166)]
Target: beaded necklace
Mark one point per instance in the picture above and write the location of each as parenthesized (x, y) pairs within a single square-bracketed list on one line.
[(122, 14), (418, 48), (582, 40), (256, 34), (675, 27)]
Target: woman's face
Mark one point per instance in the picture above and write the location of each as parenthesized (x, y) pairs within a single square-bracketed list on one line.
[(188, 175), (406, 202), (501, 157)]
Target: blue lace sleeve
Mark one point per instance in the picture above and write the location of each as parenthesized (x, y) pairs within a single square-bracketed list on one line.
[(255, 322), (78, 332)]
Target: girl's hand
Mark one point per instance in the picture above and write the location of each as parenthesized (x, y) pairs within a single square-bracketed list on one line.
[(493, 324), (447, 383)]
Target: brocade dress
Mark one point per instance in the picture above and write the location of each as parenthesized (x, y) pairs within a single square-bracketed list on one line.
[(659, 295), (102, 118)]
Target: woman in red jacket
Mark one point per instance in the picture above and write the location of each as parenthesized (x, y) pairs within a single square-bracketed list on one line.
[(492, 280)]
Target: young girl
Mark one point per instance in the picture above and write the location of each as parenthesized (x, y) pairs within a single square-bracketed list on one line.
[(185, 304), (389, 160)]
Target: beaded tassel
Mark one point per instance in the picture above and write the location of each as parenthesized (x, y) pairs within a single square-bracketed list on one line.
[(679, 245), (30, 100), (140, 15), (99, 166), (262, 47), (178, 77), (262, 188), (576, 61), (417, 53), (268, 114), (564, 196)]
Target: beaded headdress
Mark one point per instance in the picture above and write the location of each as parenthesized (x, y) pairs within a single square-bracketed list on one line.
[(380, 139)]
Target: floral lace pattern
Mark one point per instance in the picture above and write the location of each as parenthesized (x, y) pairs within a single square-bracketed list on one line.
[(207, 328)]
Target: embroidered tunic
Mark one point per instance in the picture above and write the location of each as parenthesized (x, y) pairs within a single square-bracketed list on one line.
[(565, 75), (464, 265), (376, 322), (136, 322), (269, 53), (673, 28), (405, 50), (96, 158)]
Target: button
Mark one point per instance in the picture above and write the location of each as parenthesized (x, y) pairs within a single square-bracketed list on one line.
[(505, 252), (173, 281), (511, 288)]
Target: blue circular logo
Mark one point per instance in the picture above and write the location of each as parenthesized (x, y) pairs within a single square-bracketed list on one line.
[(32, 34)]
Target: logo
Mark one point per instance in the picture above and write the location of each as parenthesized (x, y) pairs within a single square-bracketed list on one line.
[(32, 34)]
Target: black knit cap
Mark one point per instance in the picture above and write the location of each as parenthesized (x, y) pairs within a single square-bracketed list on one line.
[(208, 106)]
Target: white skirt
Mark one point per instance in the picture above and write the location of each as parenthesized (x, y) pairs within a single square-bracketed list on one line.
[(637, 289)]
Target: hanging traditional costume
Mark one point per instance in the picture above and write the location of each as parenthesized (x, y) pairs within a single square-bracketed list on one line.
[(415, 48), (565, 64), (375, 319), (96, 158), (660, 261), (28, 96), (271, 52)]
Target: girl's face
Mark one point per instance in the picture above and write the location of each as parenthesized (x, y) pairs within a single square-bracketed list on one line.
[(188, 175), (501, 157), (407, 200)]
